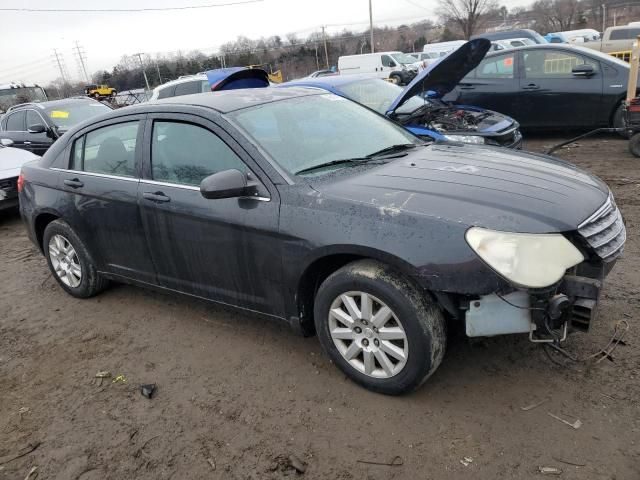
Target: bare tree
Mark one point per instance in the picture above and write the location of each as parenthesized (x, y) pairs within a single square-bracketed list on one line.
[(466, 14), (555, 15)]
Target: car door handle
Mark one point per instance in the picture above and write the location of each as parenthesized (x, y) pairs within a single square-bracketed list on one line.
[(27, 142), (157, 197), (467, 87), (73, 183), (531, 86)]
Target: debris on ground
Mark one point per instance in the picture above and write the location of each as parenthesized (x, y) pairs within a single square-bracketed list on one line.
[(395, 462), (148, 390), (534, 405), (33, 472), (297, 464), (549, 471), (576, 425), (466, 461), (211, 463), (574, 464), (120, 379), (22, 411), (25, 451), (101, 376)]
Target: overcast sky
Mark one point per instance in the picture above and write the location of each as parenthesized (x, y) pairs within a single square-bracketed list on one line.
[(27, 39)]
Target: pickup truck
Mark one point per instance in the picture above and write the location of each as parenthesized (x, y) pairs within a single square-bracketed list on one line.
[(616, 39)]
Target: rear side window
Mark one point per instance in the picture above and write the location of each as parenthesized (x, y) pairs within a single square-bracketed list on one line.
[(108, 150), (188, 88), (15, 122), (496, 67), (185, 154), (166, 92), (624, 34)]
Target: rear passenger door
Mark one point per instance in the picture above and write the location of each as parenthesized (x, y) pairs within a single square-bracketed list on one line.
[(224, 249), (101, 182)]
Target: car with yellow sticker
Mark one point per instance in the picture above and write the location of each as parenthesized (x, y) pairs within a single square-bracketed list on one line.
[(35, 126), (100, 91)]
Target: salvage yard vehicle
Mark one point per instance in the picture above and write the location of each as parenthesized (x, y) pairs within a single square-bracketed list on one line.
[(427, 115), (14, 93), (618, 39), (100, 91), (307, 207), (212, 81), (35, 126), (11, 161), (397, 67), (549, 86)]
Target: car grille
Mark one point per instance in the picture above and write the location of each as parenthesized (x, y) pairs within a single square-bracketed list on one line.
[(604, 231)]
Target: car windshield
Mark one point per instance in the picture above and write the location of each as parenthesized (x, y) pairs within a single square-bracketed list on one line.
[(303, 132), (67, 115), (379, 95), (403, 58)]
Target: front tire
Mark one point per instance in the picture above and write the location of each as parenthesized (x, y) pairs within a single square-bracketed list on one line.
[(395, 79), (70, 262), (379, 328), (634, 145)]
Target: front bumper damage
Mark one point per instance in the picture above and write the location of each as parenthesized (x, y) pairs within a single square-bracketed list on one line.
[(8, 193), (545, 316)]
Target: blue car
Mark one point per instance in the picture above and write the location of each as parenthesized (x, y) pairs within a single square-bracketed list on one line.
[(419, 106)]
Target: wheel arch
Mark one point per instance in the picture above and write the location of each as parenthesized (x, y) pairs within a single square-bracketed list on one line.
[(40, 224), (328, 260)]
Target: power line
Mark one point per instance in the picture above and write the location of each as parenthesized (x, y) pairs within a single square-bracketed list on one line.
[(126, 10)]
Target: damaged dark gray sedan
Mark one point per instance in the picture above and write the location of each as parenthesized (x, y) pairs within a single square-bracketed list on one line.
[(307, 207)]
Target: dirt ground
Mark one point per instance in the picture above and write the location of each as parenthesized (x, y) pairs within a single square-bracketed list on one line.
[(238, 395)]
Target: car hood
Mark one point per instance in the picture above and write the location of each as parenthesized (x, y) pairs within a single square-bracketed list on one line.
[(442, 76), (237, 77), (11, 161), (474, 186)]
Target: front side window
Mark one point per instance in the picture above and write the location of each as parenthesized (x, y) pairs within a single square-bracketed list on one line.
[(33, 118), (500, 66), (185, 154), (107, 150), (304, 132), (550, 64), (16, 122), (624, 34), (387, 61)]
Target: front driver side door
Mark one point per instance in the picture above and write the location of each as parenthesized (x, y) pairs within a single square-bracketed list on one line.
[(492, 85), (224, 250)]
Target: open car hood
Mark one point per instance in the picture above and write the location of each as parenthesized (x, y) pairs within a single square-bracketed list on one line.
[(237, 77), (442, 76)]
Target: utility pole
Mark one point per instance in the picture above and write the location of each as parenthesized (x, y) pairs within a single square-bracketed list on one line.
[(326, 52), (158, 70), (317, 61), (371, 26), (146, 80), (604, 17), (82, 60), (60, 66)]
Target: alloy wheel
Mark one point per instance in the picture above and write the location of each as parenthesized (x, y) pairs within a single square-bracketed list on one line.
[(368, 334), (64, 260)]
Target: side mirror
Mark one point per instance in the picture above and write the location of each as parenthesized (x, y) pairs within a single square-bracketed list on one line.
[(227, 184), (583, 70), (6, 142), (37, 128)]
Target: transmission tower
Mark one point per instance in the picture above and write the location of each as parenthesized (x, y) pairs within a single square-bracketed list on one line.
[(81, 57), (59, 59)]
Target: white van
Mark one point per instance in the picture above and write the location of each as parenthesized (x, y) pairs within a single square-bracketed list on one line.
[(396, 66)]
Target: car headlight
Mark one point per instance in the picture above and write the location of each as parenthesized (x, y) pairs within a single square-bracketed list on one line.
[(474, 139), (526, 259)]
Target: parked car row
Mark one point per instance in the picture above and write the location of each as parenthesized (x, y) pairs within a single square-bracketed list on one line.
[(304, 206)]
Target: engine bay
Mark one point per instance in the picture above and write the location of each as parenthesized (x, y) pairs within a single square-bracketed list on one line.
[(443, 117)]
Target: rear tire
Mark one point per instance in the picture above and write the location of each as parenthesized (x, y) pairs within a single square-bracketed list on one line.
[(70, 262), (395, 79), (634, 145), (619, 122), (389, 351)]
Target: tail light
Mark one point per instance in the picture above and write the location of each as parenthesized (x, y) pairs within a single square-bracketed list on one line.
[(20, 183)]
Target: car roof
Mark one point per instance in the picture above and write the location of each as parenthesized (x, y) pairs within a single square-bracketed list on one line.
[(330, 81), (538, 46), (230, 100), (186, 78), (52, 103)]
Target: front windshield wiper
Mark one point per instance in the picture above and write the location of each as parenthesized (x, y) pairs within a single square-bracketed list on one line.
[(342, 161), (392, 149)]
